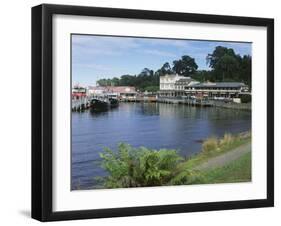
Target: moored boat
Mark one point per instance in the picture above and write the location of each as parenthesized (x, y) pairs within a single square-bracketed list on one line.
[(99, 105), (103, 104), (113, 102)]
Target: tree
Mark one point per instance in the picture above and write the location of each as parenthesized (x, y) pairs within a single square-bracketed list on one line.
[(220, 51), (127, 80), (165, 69), (115, 81), (228, 66), (146, 72), (185, 66), (203, 76), (146, 78), (104, 82), (246, 70)]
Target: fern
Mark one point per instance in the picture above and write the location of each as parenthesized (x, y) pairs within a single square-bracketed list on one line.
[(138, 167)]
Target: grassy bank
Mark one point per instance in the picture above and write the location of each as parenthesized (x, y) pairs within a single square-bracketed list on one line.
[(214, 146), (189, 171), (143, 167), (237, 171)]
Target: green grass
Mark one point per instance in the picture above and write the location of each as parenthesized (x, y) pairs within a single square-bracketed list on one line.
[(213, 147), (237, 171)]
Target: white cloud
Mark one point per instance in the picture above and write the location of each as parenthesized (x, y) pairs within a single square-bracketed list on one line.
[(92, 66), (103, 45), (157, 52)]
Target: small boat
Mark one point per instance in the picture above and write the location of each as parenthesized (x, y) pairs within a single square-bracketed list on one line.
[(99, 105), (113, 102), (103, 104)]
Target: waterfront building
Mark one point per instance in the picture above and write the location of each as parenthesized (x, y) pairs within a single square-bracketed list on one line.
[(78, 92), (181, 85), (120, 92), (217, 90), (79, 98), (123, 92), (174, 85), (96, 90), (167, 82)]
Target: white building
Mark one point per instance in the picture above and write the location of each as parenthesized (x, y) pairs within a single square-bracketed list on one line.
[(182, 83), (218, 90), (96, 90), (121, 92), (174, 85), (167, 82)]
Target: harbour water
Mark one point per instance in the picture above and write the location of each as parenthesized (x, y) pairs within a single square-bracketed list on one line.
[(153, 125)]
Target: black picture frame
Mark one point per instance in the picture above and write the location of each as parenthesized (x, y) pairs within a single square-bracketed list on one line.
[(42, 111)]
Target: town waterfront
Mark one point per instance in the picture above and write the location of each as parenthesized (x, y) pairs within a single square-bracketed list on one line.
[(153, 125)]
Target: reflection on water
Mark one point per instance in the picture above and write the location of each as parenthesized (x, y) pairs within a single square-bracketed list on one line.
[(146, 124)]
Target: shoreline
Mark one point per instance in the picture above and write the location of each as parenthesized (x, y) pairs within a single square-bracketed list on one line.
[(216, 161), (216, 104), (222, 165), (225, 158)]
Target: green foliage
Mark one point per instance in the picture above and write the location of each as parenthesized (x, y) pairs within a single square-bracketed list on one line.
[(151, 88), (165, 70), (238, 170), (245, 70), (214, 58), (246, 98), (146, 80), (185, 66), (104, 82), (139, 167), (187, 176), (203, 76), (228, 66)]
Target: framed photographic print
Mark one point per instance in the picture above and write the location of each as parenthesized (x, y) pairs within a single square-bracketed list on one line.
[(145, 112)]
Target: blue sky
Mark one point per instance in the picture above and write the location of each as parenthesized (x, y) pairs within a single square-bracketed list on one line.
[(96, 57)]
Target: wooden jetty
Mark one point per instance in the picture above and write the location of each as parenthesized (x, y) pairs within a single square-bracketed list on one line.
[(192, 102), (83, 103), (80, 104)]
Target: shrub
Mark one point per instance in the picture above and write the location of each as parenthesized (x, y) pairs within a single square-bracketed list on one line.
[(227, 140), (246, 98), (211, 144), (139, 167)]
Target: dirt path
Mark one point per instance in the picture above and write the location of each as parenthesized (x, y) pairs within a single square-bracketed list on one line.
[(223, 159)]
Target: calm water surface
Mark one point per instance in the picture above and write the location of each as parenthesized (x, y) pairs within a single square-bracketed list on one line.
[(151, 125)]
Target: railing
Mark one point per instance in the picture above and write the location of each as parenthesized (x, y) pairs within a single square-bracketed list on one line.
[(80, 104), (213, 90), (181, 100)]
